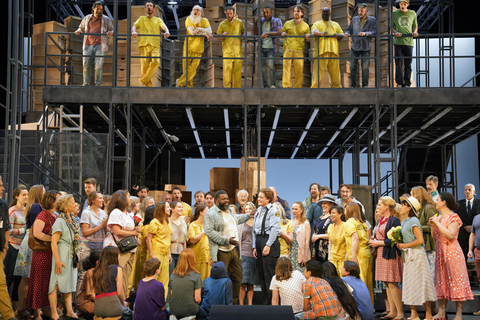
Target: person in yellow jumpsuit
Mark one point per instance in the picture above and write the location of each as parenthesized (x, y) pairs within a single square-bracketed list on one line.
[(293, 48), (358, 248), (231, 48), (326, 46), (336, 235), (199, 242), (149, 46), (196, 25), (158, 241)]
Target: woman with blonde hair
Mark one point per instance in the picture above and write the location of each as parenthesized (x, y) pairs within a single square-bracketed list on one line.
[(147, 202), (356, 240), (389, 264), (65, 244), (300, 250), (158, 240), (24, 256), (185, 287), (286, 231), (134, 205), (249, 268)]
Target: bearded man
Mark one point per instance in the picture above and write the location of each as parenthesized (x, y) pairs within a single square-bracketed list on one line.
[(198, 26), (221, 228)]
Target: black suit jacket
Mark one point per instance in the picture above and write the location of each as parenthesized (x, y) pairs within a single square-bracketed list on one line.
[(467, 219)]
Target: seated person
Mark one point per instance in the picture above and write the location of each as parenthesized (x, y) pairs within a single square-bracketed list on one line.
[(150, 299), (351, 276), (218, 288), (319, 299), (288, 285), (85, 300)]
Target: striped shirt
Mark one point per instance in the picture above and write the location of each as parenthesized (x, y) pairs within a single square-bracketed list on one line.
[(17, 220), (323, 301)]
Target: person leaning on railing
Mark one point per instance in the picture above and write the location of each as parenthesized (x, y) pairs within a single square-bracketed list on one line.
[(95, 46), (149, 47), (232, 48), (326, 46), (361, 26)]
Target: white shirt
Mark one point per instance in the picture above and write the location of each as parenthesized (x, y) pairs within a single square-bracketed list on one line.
[(230, 230)]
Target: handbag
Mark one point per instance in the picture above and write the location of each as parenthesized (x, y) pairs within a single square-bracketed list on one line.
[(38, 245), (126, 244)]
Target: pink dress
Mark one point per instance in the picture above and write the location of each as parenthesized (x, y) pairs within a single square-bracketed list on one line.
[(387, 270), (451, 277)]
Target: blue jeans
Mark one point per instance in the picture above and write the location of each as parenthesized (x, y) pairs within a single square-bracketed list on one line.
[(403, 54), (96, 51), (174, 263), (268, 65), (355, 55)]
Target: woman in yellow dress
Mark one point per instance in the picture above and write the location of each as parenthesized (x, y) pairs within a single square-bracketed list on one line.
[(158, 241), (142, 251), (336, 235), (198, 241), (358, 248), (286, 231)]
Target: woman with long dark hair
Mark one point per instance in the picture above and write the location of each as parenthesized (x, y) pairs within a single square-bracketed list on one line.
[(24, 256), (451, 276), (41, 265), (121, 225), (346, 299), (185, 287), (16, 213), (107, 282), (85, 299)]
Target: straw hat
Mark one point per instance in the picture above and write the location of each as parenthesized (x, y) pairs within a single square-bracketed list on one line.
[(413, 203)]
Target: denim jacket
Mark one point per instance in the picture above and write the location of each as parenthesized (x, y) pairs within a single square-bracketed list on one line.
[(214, 224)]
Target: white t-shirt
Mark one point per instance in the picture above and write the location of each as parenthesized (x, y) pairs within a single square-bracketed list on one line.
[(230, 230), (290, 290), (121, 219), (95, 240)]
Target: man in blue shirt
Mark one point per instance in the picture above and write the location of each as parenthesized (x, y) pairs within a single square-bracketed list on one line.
[(361, 27)]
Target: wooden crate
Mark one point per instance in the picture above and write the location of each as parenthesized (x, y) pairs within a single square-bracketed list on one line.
[(214, 3), (251, 179), (223, 178), (169, 187), (252, 165)]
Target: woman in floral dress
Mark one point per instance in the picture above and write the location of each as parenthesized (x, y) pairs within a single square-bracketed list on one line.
[(451, 277), (300, 250), (320, 236)]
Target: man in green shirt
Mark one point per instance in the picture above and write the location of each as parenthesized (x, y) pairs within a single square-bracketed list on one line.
[(404, 27)]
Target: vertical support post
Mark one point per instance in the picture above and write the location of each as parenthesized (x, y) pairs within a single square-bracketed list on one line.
[(143, 153), (330, 163), (128, 148), (340, 165), (377, 163), (129, 42), (259, 144), (114, 48), (110, 149), (245, 145), (369, 155), (356, 149)]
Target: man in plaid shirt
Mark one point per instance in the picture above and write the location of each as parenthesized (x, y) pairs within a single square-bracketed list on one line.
[(319, 300)]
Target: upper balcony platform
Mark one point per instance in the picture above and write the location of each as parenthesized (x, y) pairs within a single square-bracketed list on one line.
[(252, 97)]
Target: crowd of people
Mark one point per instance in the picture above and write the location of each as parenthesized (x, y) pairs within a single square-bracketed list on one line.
[(327, 34), (129, 256)]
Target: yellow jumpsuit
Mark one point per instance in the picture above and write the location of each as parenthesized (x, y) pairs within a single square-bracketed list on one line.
[(284, 246), (293, 48), (140, 257), (201, 249), (149, 46), (327, 48), (187, 210), (161, 248), (195, 50), (232, 48), (338, 249), (363, 251)]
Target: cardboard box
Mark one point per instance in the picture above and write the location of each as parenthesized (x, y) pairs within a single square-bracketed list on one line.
[(169, 187), (214, 13), (214, 3), (157, 195)]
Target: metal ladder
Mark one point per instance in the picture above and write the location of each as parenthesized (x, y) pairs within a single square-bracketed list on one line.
[(71, 149)]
